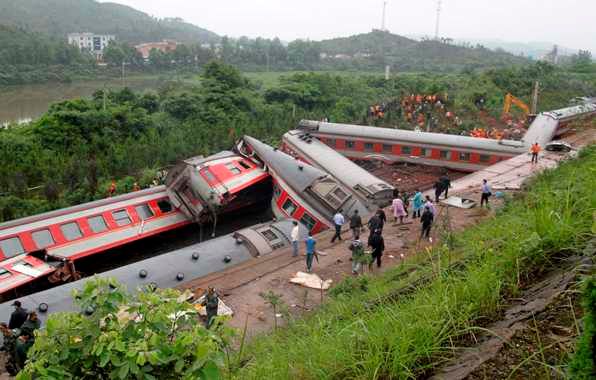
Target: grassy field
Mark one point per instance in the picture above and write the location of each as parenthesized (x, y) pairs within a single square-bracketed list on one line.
[(402, 324)]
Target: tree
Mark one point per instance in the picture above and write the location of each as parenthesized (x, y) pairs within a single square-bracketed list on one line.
[(154, 334)]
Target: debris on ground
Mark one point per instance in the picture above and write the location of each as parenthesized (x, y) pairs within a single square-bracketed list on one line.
[(310, 280), (222, 308), (459, 202)]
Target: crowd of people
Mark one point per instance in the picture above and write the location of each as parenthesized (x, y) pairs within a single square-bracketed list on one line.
[(423, 209), (18, 336)]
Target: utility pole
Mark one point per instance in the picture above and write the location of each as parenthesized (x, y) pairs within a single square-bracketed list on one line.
[(438, 20), (535, 98)]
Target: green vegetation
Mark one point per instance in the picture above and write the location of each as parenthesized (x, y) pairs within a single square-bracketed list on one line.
[(404, 323), (71, 153), (583, 364), (60, 17), (154, 334)]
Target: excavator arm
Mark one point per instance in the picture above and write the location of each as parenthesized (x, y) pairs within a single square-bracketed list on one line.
[(509, 100)]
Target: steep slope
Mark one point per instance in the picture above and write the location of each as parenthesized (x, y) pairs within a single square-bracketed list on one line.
[(379, 48), (60, 17)]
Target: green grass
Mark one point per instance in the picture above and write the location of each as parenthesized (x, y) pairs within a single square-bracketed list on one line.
[(387, 329)]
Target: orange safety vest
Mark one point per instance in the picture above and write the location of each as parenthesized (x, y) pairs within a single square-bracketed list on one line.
[(535, 148)]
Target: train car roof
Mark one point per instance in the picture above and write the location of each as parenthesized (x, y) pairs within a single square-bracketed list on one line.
[(572, 111), (421, 138), (333, 162), (296, 173), (161, 270), (84, 206)]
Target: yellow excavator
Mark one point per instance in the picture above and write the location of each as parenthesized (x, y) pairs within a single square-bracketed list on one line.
[(512, 100)]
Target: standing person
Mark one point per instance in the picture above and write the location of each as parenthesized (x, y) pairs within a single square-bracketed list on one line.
[(535, 149), (112, 189), (377, 243), (427, 220), (418, 203), (382, 218), (438, 186), (399, 210), (211, 303), (311, 245), (446, 181), (26, 339), (136, 187), (429, 203), (338, 221), (355, 225), (294, 236), (486, 193), (18, 316), (357, 254), (9, 343)]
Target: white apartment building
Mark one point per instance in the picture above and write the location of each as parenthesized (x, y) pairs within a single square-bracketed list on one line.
[(93, 43)]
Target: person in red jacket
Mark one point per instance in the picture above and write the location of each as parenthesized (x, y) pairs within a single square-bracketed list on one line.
[(535, 149)]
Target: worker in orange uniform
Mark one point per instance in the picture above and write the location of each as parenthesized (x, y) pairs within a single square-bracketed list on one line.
[(112, 189), (535, 149)]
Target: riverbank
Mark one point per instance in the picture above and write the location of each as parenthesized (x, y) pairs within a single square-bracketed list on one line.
[(408, 320)]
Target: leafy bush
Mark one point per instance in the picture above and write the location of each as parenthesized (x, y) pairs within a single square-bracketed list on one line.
[(152, 335)]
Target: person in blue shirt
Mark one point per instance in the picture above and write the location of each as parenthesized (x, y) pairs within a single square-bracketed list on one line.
[(311, 244), (486, 193)]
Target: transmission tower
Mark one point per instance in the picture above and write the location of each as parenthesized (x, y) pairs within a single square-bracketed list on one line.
[(383, 19), (438, 19)]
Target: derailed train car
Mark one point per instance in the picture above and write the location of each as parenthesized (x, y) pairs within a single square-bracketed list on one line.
[(172, 269), (301, 191), (370, 189), (452, 151)]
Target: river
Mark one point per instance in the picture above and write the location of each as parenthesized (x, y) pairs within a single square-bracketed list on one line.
[(20, 104)]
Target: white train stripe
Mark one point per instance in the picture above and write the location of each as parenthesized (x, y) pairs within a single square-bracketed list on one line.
[(84, 245)]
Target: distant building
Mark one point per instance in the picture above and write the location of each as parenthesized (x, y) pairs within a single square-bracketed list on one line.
[(93, 43), (163, 46)]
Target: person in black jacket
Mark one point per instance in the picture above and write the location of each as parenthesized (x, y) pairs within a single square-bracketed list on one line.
[(427, 221), (18, 316), (355, 225), (377, 243)]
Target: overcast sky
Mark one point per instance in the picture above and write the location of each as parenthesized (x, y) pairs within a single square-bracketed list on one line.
[(570, 23)]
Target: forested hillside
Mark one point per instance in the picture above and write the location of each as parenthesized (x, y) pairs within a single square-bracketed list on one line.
[(377, 49), (60, 17)]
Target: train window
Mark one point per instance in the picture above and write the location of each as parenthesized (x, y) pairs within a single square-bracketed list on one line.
[(71, 231), (340, 193), (144, 212), (369, 147), (97, 224), (444, 154), (208, 175), (350, 144), (232, 168), (289, 207), (387, 148), (269, 235), (43, 238), (276, 191), (308, 221), (121, 217), (244, 165), (4, 273), (463, 156), (164, 206), (11, 247), (406, 150), (330, 142), (484, 158)]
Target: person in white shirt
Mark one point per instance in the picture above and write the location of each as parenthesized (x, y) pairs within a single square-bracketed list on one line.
[(338, 221), (294, 236)]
